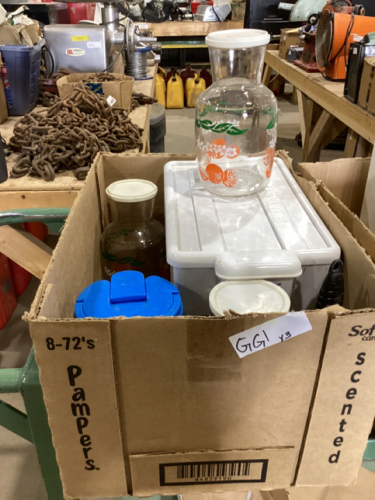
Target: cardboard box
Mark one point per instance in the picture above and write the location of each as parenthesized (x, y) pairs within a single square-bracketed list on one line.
[(289, 37), (18, 35), (363, 490), (120, 90), (366, 96), (158, 397), (238, 11), (230, 495)]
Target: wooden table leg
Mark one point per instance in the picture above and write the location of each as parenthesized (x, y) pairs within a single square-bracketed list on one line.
[(356, 146), (305, 114), (267, 75), (25, 249), (326, 129)]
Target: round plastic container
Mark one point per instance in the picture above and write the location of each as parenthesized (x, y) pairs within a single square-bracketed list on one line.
[(129, 294), (134, 240), (245, 297), (236, 117)]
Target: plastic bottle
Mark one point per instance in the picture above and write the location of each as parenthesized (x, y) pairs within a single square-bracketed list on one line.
[(134, 240), (206, 77), (161, 88), (188, 72), (171, 73), (175, 92), (236, 117), (194, 88), (161, 71)]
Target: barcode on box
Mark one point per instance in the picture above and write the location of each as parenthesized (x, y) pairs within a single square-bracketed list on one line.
[(232, 471)]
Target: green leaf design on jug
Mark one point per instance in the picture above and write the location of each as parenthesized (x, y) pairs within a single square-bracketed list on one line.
[(236, 131), (273, 113), (219, 128)]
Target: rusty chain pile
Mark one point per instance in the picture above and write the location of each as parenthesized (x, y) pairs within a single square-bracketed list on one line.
[(68, 135), (102, 77)]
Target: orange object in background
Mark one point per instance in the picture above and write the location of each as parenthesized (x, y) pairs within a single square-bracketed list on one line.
[(19, 275), (335, 32), (8, 299)]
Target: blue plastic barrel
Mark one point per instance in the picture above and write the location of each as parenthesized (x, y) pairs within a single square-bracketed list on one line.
[(129, 294), (23, 65)]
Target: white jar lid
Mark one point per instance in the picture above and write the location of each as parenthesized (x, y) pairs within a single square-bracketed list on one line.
[(131, 190), (245, 297), (238, 39)]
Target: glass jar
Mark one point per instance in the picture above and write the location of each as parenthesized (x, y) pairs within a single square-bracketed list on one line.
[(134, 240), (236, 118)]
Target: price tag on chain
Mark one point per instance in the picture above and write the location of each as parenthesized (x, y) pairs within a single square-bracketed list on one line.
[(111, 100), (270, 333)]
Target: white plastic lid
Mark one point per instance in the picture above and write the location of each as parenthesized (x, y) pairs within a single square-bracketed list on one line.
[(257, 264), (244, 297), (131, 190), (237, 39)]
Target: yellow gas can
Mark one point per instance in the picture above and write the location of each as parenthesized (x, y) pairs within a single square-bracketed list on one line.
[(161, 88), (194, 88), (175, 92)]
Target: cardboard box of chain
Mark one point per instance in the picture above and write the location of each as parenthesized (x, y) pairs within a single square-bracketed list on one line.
[(118, 92), (166, 405)]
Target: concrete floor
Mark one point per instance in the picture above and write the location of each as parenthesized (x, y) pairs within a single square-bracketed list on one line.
[(20, 477)]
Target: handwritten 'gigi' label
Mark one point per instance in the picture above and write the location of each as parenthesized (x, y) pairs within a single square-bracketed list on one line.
[(270, 333)]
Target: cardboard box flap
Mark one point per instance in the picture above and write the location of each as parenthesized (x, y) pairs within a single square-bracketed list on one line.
[(346, 178), (344, 199), (83, 413), (70, 276), (357, 228), (344, 403), (168, 473), (359, 269)]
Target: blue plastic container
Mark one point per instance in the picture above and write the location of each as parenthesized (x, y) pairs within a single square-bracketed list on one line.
[(129, 294), (23, 65)]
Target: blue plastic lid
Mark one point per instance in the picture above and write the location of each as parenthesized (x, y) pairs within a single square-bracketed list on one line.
[(129, 294)]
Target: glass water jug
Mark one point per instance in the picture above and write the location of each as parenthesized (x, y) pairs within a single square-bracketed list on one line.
[(236, 118), (134, 240)]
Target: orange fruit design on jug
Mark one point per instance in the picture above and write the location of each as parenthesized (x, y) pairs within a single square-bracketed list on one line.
[(215, 173), (216, 150), (268, 161)]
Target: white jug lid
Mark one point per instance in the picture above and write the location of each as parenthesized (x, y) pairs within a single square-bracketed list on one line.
[(245, 297), (237, 39), (131, 190)]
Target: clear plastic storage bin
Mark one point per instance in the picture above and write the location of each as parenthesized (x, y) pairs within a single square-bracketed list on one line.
[(274, 235)]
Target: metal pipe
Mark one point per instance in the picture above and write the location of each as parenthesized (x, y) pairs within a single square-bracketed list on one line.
[(10, 380), (110, 17)]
